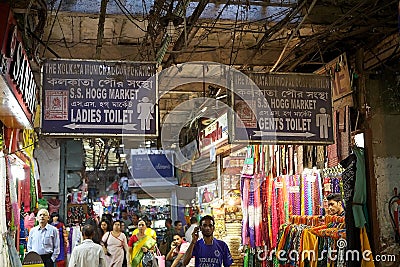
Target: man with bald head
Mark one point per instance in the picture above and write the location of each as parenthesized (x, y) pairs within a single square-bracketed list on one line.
[(44, 239)]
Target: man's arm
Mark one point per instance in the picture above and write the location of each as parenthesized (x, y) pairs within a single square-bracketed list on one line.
[(29, 245), (177, 259), (56, 243), (102, 257), (188, 254), (170, 252)]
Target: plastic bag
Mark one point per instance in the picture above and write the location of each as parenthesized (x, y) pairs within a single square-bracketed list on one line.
[(160, 258)]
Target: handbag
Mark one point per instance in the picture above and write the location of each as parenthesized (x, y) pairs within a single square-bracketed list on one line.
[(149, 260), (160, 258)]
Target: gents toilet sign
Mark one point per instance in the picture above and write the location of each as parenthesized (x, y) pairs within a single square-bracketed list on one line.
[(99, 98), (282, 108)]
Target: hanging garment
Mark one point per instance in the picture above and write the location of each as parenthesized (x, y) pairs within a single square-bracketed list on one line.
[(258, 211), (54, 205), (244, 188), (4, 251), (265, 210), (251, 210), (360, 190), (13, 253), (364, 247), (352, 233), (33, 200), (60, 261), (37, 178), (8, 204)]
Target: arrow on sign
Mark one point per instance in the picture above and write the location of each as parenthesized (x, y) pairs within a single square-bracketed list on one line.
[(128, 127), (261, 133)]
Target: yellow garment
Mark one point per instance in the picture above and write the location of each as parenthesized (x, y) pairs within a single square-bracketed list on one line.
[(137, 252), (365, 246), (149, 232), (309, 243)]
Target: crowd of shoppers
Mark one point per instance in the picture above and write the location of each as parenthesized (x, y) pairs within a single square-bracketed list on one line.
[(126, 242)]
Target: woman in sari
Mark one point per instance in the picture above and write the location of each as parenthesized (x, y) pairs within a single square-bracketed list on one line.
[(139, 244)]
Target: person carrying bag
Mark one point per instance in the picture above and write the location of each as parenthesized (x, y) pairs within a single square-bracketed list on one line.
[(160, 258)]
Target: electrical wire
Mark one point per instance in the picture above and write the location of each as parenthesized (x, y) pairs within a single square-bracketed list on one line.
[(205, 35), (127, 14), (292, 35), (234, 36), (65, 40), (51, 29)]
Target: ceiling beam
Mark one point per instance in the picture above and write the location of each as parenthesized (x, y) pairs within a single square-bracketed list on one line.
[(181, 41), (270, 31), (265, 3)]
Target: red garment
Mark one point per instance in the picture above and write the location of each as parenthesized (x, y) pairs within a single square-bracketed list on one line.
[(132, 240), (54, 205), (26, 191), (8, 196)]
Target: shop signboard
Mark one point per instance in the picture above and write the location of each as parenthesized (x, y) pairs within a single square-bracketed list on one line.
[(282, 108), (338, 69), (215, 134), (16, 71), (88, 97), (151, 166)]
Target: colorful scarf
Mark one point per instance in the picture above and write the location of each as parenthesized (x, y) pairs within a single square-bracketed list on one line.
[(137, 252)]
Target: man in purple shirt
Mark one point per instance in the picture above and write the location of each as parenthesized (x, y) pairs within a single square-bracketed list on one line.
[(207, 251)]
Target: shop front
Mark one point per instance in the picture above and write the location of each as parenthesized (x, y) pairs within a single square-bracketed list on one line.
[(20, 182)]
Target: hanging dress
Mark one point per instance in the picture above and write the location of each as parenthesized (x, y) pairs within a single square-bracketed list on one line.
[(60, 261)]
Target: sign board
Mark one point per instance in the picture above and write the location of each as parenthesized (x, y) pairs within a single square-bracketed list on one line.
[(214, 134), (151, 166), (282, 108), (16, 68), (87, 97), (338, 69)]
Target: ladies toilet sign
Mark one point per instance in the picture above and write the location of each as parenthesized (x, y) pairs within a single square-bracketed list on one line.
[(99, 98)]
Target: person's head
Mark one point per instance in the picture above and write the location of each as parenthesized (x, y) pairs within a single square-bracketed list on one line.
[(207, 226), (43, 217), (116, 226), (177, 239), (148, 222), (55, 216), (193, 220), (105, 225), (335, 204), (142, 226), (124, 214), (168, 223), (178, 225), (87, 231), (135, 219), (122, 226)]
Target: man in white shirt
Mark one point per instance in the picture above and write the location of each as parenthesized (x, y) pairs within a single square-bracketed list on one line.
[(88, 253), (189, 231), (44, 239)]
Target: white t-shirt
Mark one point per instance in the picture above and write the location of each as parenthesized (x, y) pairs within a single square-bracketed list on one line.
[(189, 231)]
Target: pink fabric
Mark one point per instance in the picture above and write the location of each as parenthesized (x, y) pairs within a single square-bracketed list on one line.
[(54, 205), (29, 220)]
